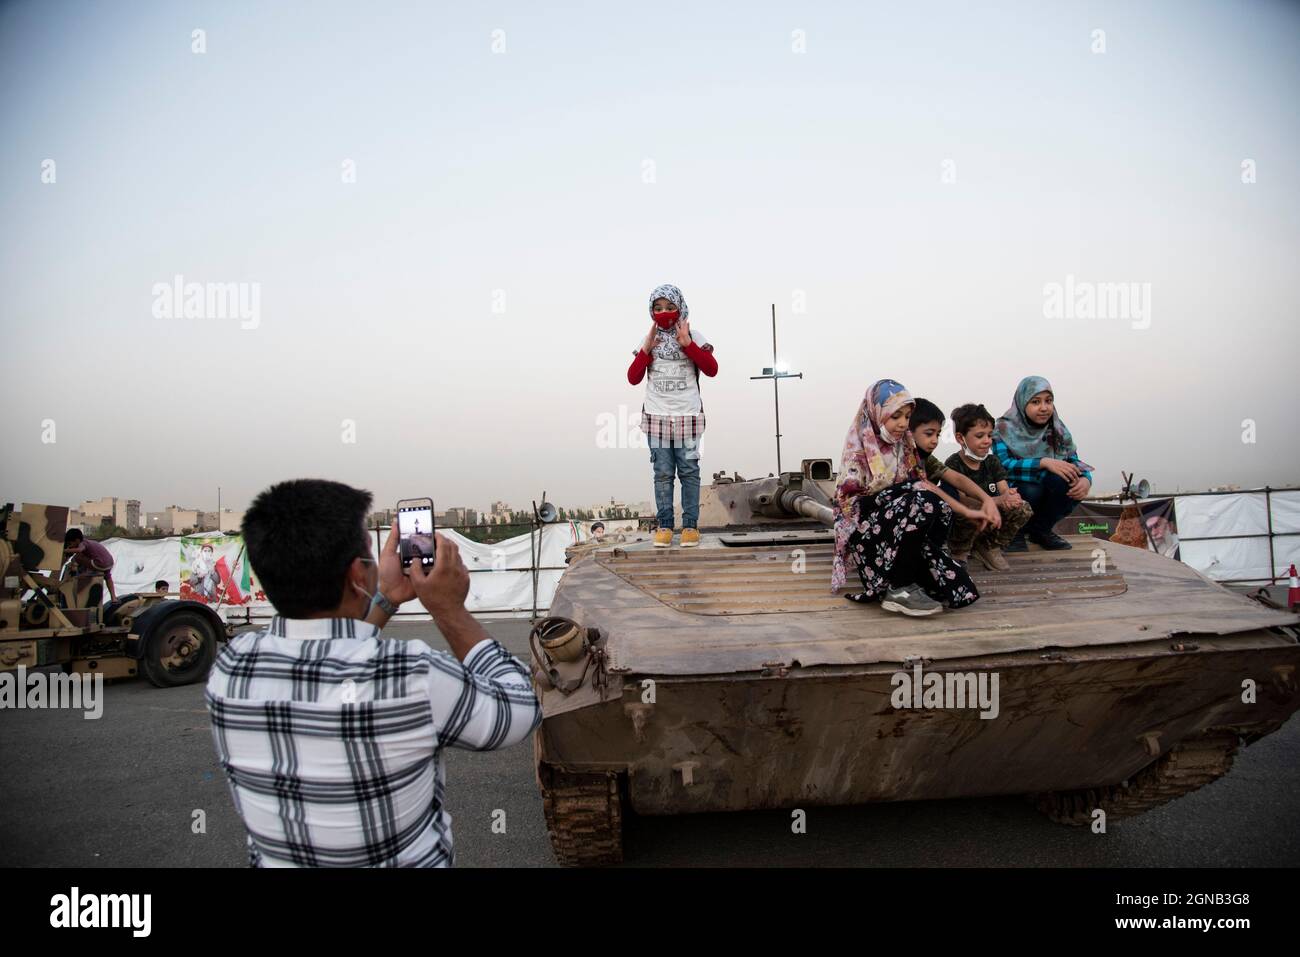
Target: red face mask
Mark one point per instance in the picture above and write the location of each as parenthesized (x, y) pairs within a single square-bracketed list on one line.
[(665, 320)]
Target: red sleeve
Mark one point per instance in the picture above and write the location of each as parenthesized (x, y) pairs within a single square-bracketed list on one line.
[(636, 371), (703, 360)]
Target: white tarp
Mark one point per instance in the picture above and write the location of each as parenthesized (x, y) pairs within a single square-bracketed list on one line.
[(1246, 513), (500, 574)]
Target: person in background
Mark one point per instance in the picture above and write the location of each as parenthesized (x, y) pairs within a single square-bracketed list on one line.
[(598, 532), (1041, 461), (91, 558), (672, 416), (332, 736), (161, 587)]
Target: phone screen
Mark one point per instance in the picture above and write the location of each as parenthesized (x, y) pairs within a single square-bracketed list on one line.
[(415, 531)]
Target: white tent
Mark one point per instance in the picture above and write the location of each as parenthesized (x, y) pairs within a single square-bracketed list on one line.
[(1219, 521), (500, 580)]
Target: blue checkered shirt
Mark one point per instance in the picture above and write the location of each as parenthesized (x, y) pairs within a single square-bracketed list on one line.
[(332, 737), (1026, 470)]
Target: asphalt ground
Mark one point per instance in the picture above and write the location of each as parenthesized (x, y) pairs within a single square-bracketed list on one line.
[(123, 790)]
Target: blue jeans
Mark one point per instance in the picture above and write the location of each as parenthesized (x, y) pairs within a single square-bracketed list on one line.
[(1048, 500), (685, 461)]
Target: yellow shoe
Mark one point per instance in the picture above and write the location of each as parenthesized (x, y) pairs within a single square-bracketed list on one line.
[(664, 538), (690, 537)]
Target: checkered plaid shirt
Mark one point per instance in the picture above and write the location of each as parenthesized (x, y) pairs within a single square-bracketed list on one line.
[(1025, 470), (669, 431), (332, 738)]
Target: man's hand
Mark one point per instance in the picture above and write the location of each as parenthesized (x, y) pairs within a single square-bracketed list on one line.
[(1079, 489), (1066, 470), (683, 333), (393, 583), (442, 591)]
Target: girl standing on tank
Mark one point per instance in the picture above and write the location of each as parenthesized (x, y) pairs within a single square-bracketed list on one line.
[(672, 416)]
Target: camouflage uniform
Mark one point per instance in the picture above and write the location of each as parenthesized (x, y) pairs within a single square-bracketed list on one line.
[(962, 537)]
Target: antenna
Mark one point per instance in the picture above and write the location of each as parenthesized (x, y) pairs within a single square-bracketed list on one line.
[(776, 372)]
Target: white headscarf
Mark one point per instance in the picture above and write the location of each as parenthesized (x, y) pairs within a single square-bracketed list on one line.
[(668, 337)]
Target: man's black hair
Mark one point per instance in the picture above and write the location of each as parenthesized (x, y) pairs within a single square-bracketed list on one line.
[(301, 537), (73, 536), (161, 584), (596, 525), (923, 411), (966, 417)]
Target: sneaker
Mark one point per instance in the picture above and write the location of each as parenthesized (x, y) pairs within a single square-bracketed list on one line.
[(690, 537), (992, 558), (1017, 544), (1049, 540), (664, 538), (910, 600)]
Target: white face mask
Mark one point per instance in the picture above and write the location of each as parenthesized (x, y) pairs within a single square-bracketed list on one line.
[(966, 451), (369, 595)]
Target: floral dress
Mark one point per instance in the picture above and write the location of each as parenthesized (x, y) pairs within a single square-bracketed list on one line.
[(899, 540)]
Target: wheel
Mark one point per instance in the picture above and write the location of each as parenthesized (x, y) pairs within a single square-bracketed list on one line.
[(584, 816), (1188, 766), (180, 650)]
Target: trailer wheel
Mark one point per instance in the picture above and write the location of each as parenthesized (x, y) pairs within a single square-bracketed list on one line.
[(1188, 766), (180, 650)]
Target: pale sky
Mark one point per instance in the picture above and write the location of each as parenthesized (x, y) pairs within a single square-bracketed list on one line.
[(471, 302)]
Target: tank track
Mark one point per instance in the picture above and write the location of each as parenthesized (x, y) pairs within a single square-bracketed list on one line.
[(584, 816), (1188, 766)]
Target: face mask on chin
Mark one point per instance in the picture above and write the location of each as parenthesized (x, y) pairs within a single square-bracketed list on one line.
[(966, 451)]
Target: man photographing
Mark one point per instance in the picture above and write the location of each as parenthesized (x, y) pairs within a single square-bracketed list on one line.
[(330, 735)]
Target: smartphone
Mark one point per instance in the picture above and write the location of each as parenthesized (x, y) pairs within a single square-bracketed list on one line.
[(415, 531)]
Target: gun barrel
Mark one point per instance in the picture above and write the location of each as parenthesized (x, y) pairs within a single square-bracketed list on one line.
[(801, 503)]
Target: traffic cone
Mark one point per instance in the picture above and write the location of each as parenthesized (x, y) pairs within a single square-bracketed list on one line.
[(1293, 593)]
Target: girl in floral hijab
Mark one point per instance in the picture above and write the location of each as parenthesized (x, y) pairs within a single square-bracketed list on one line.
[(891, 524)]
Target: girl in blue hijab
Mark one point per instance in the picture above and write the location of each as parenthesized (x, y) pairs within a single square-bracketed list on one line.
[(1042, 462)]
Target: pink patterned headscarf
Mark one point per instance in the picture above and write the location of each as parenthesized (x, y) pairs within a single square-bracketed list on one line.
[(871, 461)]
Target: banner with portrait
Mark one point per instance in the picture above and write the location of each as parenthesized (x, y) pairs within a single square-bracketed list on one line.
[(1151, 523), (214, 569)]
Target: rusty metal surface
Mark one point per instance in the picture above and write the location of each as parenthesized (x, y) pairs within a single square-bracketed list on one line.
[(746, 581), (834, 737), (1022, 612)]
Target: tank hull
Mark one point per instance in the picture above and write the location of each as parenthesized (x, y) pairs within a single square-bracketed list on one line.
[(831, 736)]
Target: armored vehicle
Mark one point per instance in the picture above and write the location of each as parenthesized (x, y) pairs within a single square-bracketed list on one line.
[(729, 677), (48, 619)]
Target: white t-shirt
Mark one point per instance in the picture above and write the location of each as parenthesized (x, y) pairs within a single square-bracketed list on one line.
[(672, 382)]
